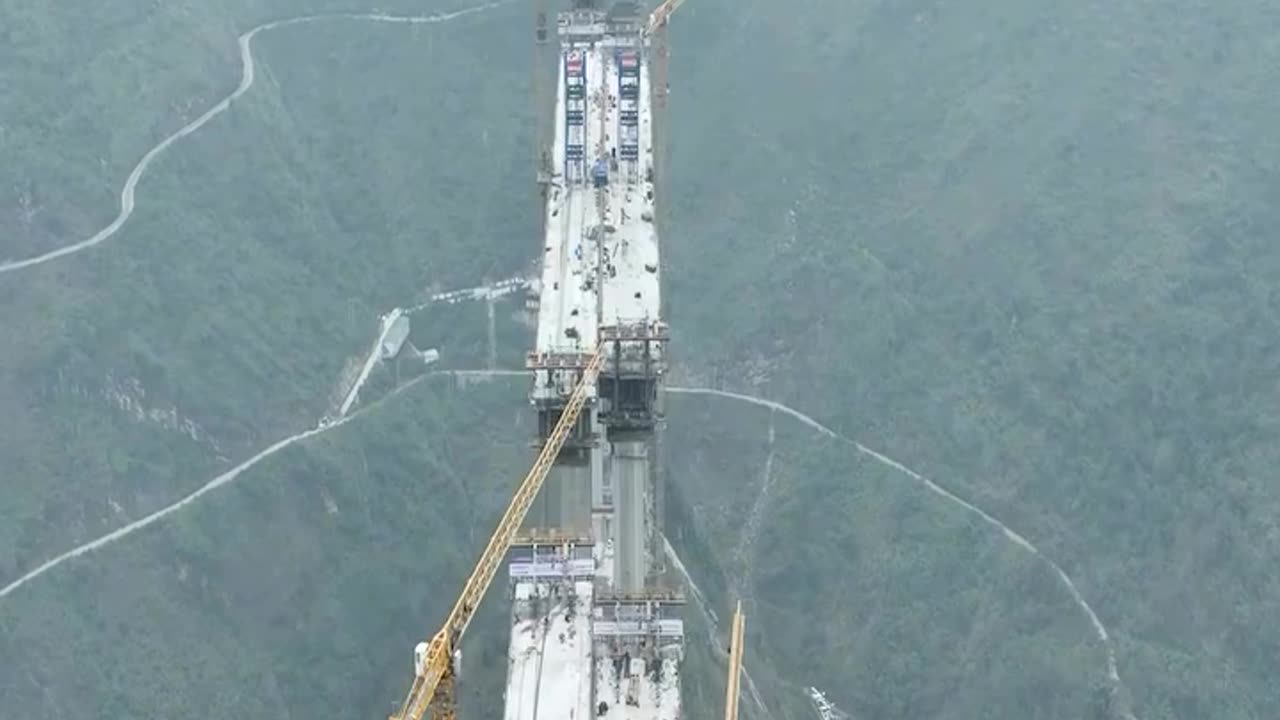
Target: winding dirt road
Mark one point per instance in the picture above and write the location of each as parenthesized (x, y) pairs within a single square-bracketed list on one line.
[(227, 477), (127, 204), (246, 82), (1100, 630)]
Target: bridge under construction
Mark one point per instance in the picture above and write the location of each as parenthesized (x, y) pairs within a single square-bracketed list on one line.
[(596, 627), (595, 632)]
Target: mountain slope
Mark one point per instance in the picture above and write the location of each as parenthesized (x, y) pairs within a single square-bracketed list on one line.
[(1020, 246)]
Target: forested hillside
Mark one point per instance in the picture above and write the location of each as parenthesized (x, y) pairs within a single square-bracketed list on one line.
[(261, 252), (352, 177), (1021, 247), (1024, 248)]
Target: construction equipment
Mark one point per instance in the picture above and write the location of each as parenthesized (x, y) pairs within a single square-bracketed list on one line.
[(735, 664), (655, 33), (435, 665), (661, 14)]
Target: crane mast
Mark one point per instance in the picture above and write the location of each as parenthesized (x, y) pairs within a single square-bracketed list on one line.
[(433, 682), (735, 664)]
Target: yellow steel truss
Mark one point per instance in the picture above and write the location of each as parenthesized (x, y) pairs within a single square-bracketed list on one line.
[(433, 683)]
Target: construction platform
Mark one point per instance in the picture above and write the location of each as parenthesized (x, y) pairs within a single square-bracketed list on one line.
[(591, 637)]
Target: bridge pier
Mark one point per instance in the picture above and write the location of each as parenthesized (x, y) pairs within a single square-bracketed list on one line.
[(600, 291)]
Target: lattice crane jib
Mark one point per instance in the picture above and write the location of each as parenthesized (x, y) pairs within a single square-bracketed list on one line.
[(661, 14), (433, 682), (735, 664)]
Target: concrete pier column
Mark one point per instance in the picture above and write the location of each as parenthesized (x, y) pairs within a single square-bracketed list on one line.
[(629, 474), (573, 512)]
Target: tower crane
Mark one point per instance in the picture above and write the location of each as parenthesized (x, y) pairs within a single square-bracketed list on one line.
[(735, 664), (435, 667), (661, 14)]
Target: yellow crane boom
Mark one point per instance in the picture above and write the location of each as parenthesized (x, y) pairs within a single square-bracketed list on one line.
[(735, 664), (661, 14), (433, 682)]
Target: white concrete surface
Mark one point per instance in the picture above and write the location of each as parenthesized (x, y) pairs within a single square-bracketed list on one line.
[(599, 266), (388, 322), (654, 699), (549, 661), (568, 290), (631, 291), (600, 257)]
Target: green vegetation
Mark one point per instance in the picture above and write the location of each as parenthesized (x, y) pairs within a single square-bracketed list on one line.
[(894, 602), (298, 591), (253, 270), (1020, 246), (262, 250)]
